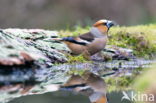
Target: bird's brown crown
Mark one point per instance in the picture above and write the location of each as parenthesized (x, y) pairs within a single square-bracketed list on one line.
[(103, 25)]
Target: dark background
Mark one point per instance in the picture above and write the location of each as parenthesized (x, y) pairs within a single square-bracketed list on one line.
[(60, 14)]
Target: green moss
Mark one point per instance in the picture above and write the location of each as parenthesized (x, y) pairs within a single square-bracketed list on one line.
[(139, 38), (76, 59), (124, 82), (118, 83)]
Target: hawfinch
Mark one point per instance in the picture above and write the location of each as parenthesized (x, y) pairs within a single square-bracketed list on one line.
[(91, 42), (88, 84)]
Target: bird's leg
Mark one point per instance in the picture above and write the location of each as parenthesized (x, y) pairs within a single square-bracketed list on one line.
[(100, 54), (86, 55), (104, 56)]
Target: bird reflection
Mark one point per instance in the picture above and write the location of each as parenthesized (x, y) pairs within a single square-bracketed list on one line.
[(88, 84)]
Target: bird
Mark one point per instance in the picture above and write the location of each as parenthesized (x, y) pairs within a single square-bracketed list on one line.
[(88, 84), (91, 42)]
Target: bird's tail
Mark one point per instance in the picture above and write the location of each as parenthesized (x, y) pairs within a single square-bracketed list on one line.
[(70, 39), (57, 39), (53, 39)]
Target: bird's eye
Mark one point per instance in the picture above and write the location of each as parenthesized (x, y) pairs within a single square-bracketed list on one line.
[(104, 23)]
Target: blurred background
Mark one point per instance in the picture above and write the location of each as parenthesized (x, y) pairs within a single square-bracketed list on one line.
[(60, 14)]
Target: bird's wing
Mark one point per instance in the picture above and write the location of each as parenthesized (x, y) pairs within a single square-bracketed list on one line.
[(83, 39), (75, 81), (75, 40), (87, 36)]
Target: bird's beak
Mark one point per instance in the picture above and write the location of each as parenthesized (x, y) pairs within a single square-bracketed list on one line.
[(110, 24)]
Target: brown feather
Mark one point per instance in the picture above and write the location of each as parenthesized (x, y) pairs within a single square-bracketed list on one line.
[(102, 100), (87, 36)]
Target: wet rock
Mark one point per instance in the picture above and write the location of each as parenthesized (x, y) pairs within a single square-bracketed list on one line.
[(19, 46), (52, 77), (113, 53), (117, 53)]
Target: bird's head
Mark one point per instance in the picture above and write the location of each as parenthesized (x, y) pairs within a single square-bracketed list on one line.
[(104, 25), (102, 99)]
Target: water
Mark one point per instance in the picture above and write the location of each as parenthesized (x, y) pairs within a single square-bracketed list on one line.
[(67, 97), (55, 97), (17, 75), (22, 81)]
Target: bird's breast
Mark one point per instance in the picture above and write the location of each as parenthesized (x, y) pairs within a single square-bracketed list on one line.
[(76, 48), (97, 45)]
